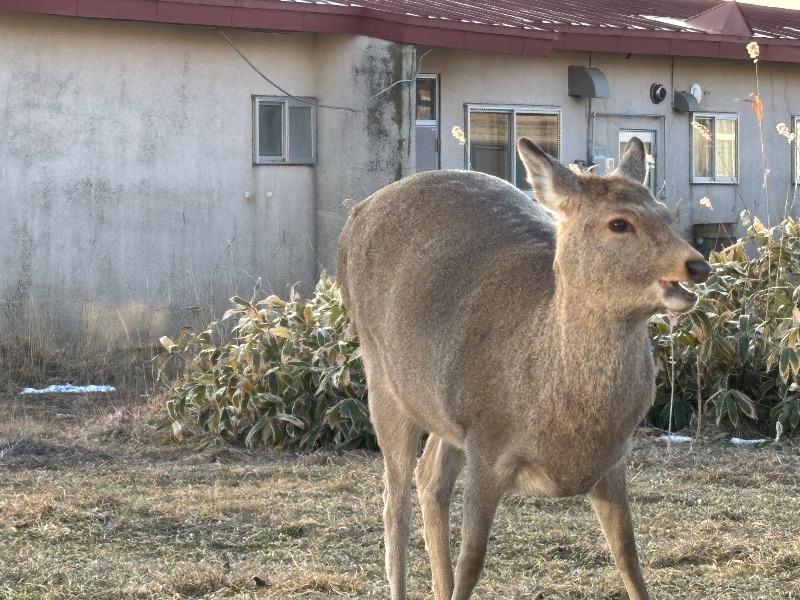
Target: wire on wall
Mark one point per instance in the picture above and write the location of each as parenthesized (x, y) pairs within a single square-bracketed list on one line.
[(367, 104)]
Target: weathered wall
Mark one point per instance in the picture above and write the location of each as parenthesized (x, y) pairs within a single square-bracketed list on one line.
[(129, 198), (365, 150), (125, 161), (127, 187), (473, 77)]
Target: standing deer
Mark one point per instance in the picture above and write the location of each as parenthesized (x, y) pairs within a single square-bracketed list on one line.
[(515, 334)]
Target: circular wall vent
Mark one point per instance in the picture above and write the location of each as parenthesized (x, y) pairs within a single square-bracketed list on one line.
[(658, 93)]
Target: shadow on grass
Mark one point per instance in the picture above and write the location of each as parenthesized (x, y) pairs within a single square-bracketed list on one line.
[(37, 453)]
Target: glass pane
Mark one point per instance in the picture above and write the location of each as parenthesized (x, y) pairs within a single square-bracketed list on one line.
[(543, 131), (489, 143), (623, 145), (300, 136), (703, 134), (426, 99), (725, 156), (649, 180), (796, 143), (270, 130)]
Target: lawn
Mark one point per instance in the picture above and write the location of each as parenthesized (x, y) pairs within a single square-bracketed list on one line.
[(95, 504)]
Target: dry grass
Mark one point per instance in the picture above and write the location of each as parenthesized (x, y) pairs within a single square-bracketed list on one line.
[(94, 504)]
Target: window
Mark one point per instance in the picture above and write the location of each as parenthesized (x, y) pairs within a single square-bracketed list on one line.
[(284, 130), (715, 148), (427, 98), (796, 149), (493, 132), (427, 122), (648, 137)]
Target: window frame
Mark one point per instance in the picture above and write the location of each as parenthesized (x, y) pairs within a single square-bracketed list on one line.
[(429, 125), (436, 102), (513, 110), (795, 150), (652, 169), (286, 157), (714, 179)]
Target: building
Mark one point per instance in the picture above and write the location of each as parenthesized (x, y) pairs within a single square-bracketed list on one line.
[(160, 156)]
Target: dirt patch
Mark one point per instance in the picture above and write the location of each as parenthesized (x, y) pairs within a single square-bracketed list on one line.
[(36, 453), (62, 408)]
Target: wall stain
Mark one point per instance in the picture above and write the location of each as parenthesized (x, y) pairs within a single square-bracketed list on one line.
[(19, 283), (387, 116)]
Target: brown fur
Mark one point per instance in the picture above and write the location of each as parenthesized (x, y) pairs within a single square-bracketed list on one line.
[(516, 336)]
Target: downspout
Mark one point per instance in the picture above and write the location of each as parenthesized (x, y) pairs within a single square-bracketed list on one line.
[(589, 127)]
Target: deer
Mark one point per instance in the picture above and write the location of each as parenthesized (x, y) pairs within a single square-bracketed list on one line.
[(513, 332)]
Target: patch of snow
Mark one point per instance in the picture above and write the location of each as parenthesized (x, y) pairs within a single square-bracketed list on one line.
[(70, 389), (676, 439), (744, 442)]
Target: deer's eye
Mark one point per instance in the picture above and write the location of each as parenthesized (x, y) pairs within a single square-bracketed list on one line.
[(620, 226)]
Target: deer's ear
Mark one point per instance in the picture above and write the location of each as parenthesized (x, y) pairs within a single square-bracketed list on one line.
[(633, 163), (553, 184)]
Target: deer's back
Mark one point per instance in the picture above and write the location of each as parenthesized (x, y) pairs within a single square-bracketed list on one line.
[(433, 269), (431, 242)]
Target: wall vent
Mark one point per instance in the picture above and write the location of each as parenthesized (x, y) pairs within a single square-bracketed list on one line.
[(685, 102), (585, 82)]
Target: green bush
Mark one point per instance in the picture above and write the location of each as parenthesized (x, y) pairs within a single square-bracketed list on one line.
[(288, 376), (735, 357)]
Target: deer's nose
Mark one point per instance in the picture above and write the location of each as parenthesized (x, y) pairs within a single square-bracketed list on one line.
[(699, 270)]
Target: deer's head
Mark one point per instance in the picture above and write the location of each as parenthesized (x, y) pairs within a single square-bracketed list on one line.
[(615, 247)]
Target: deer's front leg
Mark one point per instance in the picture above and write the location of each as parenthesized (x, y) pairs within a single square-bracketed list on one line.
[(610, 501)]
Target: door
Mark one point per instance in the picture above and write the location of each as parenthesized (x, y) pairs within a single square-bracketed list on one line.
[(427, 124)]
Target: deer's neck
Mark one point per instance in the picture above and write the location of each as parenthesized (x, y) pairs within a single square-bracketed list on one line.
[(601, 353), (593, 377), (587, 328)]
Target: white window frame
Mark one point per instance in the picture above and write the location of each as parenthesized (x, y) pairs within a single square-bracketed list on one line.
[(432, 124), (286, 157), (725, 180), (648, 136), (796, 150), (513, 109), (437, 105)]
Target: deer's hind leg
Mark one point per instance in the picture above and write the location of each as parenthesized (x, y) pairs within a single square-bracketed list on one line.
[(398, 438), (437, 471), (483, 490)]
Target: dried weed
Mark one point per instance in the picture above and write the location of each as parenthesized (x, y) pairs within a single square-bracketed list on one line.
[(101, 506)]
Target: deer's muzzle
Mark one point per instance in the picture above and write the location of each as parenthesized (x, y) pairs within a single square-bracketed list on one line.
[(699, 270)]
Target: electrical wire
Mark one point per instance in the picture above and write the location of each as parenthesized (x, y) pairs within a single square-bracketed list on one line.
[(320, 105)]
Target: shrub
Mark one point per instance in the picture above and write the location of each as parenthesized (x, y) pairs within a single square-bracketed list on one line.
[(288, 376), (736, 355)]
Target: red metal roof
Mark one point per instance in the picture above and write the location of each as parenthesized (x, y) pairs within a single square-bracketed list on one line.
[(701, 28), (552, 15)]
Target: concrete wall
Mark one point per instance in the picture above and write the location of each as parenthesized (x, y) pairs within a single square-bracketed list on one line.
[(128, 194), (473, 77), (362, 151)]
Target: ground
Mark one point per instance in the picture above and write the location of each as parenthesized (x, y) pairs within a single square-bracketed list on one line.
[(96, 504)]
